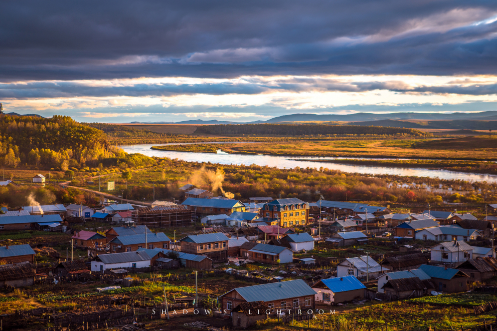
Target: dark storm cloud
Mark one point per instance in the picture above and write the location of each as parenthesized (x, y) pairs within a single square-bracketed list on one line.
[(65, 40)]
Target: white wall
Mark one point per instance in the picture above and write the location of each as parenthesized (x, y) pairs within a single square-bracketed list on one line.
[(38, 180), (318, 297), (436, 255), (286, 256), (95, 265), (343, 270), (308, 246)]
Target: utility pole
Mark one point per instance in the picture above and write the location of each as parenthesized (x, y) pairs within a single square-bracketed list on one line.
[(99, 181), (196, 289), (366, 221), (174, 239), (72, 249), (367, 267), (153, 187)]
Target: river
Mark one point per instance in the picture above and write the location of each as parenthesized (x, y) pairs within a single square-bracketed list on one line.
[(285, 162)]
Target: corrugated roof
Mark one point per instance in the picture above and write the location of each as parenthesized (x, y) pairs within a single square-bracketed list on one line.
[(439, 272), (59, 208), (16, 250), (479, 264), (235, 242), (399, 274), (100, 215), (454, 246), (420, 274), (131, 230), (119, 207), (438, 213), (181, 255), (343, 284), (140, 239), (452, 230), (124, 257), (287, 201), (352, 235), (409, 284), (15, 213), (419, 224), (364, 263), (344, 224), (245, 216), (212, 203), (29, 219), (275, 291), (196, 191), (482, 250), (206, 238), (85, 235), (299, 237), (269, 249)]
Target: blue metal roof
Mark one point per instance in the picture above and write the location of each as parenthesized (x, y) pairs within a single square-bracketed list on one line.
[(400, 275), (206, 238), (421, 224), (212, 203), (287, 201), (420, 274), (131, 230), (482, 251), (4, 209), (16, 250), (343, 284), (100, 215), (352, 235), (141, 239), (439, 272), (268, 248), (300, 237), (275, 291), (438, 213), (119, 207), (29, 219)]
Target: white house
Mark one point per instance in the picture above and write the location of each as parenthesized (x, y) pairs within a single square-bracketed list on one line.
[(137, 259), (447, 232), (360, 267), (300, 241), (214, 219), (74, 210), (483, 252), (123, 217), (452, 252), (5, 182), (39, 179), (383, 279)]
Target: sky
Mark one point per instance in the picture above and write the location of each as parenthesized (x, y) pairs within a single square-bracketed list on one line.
[(152, 61)]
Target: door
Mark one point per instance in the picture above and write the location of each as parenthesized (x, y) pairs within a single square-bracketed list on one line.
[(134, 265), (101, 267), (440, 286)]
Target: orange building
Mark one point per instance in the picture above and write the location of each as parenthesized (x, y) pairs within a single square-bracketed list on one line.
[(288, 212)]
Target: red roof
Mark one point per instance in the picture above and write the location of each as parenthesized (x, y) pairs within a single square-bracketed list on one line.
[(125, 214), (84, 235), (273, 229)]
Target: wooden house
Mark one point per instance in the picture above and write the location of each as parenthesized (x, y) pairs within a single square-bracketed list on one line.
[(246, 314), (405, 262), (16, 254), (446, 280), (71, 268), (272, 254), (138, 241), (408, 229), (338, 290), (213, 245), (404, 288), (479, 269), (126, 231), (89, 239)]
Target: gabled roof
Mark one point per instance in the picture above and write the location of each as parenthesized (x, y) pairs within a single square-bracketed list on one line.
[(125, 214), (29, 219), (131, 230), (205, 238), (273, 229), (287, 201), (439, 214), (16, 250), (100, 215), (342, 284), (367, 216), (482, 250), (299, 237), (466, 216), (244, 216), (405, 261), (268, 249), (275, 291), (422, 217), (452, 231), (409, 284), (17, 271), (59, 208), (236, 242), (86, 235), (248, 245), (441, 272), (140, 239), (15, 213), (418, 225), (118, 207), (211, 203), (186, 187), (181, 255), (352, 235), (124, 257), (362, 263), (454, 246), (479, 264), (344, 224), (472, 224), (77, 207)]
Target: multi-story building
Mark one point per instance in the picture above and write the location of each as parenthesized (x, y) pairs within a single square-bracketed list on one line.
[(213, 245), (288, 212)]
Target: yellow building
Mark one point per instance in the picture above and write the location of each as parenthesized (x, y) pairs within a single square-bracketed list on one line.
[(286, 212)]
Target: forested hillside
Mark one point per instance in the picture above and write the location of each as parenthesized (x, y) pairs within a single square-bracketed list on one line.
[(58, 142), (303, 130)]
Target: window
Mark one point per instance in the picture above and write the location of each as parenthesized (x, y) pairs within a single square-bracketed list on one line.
[(139, 247), (224, 244), (466, 255), (296, 222), (465, 238), (267, 214), (445, 256), (164, 245), (201, 247), (291, 223), (1, 227), (134, 265), (307, 302), (275, 215), (295, 303), (275, 208), (208, 246), (297, 214), (270, 305), (462, 285), (302, 213), (229, 305), (283, 304), (409, 232), (351, 272), (298, 207), (291, 214), (128, 249), (216, 245), (425, 237), (285, 215), (285, 224)]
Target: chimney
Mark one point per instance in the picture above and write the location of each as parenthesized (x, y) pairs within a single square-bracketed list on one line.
[(445, 267), (7, 246), (341, 278)]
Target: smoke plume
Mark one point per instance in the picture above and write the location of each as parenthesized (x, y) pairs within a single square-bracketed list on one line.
[(208, 178), (33, 203)]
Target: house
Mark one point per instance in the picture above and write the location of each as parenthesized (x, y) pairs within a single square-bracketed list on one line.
[(408, 229), (112, 209), (484, 227), (446, 279), (360, 267), (16, 254), (405, 262), (135, 242), (139, 259), (234, 244), (247, 314), (39, 179), (26, 222), (293, 294), (443, 217), (47, 226), (89, 239), (162, 216), (483, 252), (287, 212), (338, 290), (187, 260), (268, 232), (79, 211), (349, 238), (213, 245), (46, 209), (71, 268), (452, 252), (15, 213), (361, 219), (246, 247), (17, 275), (461, 217), (204, 207), (100, 216), (344, 225), (215, 219), (414, 273), (198, 193), (186, 187), (126, 231), (299, 241), (405, 288), (447, 232), (479, 269), (122, 217), (239, 218), (264, 253)]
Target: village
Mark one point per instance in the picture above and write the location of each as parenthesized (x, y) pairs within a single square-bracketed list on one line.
[(214, 262)]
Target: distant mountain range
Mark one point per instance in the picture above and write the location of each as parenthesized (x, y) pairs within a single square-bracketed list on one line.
[(16, 114)]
